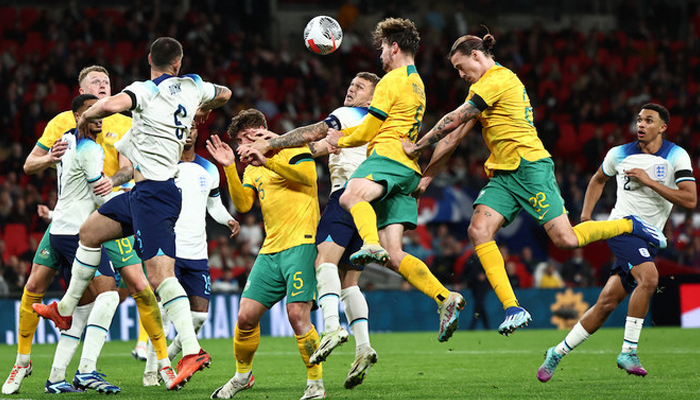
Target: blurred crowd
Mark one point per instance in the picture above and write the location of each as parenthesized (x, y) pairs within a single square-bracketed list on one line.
[(585, 86)]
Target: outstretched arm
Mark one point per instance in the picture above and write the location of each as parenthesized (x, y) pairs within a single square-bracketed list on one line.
[(447, 124), (442, 153), (359, 135), (297, 137), (104, 108)]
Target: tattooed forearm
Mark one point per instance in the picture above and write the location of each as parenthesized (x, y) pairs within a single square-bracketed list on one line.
[(122, 176), (467, 112), (221, 96), (300, 136), (312, 146), (446, 125)]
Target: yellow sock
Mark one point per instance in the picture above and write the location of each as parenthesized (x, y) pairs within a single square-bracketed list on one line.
[(308, 343), (245, 344), (592, 231), (494, 267), (418, 274), (152, 321), (143, 335), (28, 320), (366, 221)]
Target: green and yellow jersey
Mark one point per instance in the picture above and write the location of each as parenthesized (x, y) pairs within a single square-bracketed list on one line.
[(113, 128), (288, 195), (507, 120), (399, 103)]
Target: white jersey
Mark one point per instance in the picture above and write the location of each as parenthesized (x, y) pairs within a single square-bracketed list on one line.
[(80, 165), (670, 165), (344, 164), (163, 110), (199, 182)]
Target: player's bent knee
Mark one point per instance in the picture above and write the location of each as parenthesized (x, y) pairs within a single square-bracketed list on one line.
[(479, 234)]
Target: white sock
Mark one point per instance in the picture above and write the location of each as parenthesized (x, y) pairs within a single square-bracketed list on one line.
[(243, 376), (97, 328), (23, 360), (357, 313), (198, 320), (328, 288), (577, 336), (68, 343), (85, 264), (177, 306), (633, 329)]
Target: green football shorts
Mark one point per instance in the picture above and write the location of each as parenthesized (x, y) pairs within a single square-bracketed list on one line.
[(396, 206), (44, 253), (288, 273), (531, 187), (121, 252)]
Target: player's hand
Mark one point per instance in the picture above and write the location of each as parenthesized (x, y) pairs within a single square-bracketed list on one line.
[(585, 218), (234, 226), (201, 116), (332, 149), (58, 150), (422, 187), (103, 186), (640, 174), (220, 151), (255, 157), (409, 148), (43, 211), (333, 136)]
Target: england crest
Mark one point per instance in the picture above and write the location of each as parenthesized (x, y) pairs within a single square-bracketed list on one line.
[(660, 171)]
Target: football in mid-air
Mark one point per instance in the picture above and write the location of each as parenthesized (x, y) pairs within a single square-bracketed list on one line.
[(323, 35)]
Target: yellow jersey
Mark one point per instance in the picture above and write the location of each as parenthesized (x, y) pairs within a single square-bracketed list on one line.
[(290, 210), (507, 120), (399, 101), (113, 128)]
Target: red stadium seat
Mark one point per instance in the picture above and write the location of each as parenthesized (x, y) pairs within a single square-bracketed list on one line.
[(16, 239), (28, 17), (568, 142)]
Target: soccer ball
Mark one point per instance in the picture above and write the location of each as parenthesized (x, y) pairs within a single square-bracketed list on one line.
[(323, 35)]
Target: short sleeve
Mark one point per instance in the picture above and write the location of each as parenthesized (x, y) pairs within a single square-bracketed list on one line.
[(489, 91), (141, 93), (682, 165), (611, 161), (215, 178), (207, 91), (91, 158)]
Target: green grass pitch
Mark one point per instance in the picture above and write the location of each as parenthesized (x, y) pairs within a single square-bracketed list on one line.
[(472, 365)]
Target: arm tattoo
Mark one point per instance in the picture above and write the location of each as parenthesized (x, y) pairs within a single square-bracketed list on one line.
[(122, 176), (312, 146), (300, 136), (219, 98), (444, 126)]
